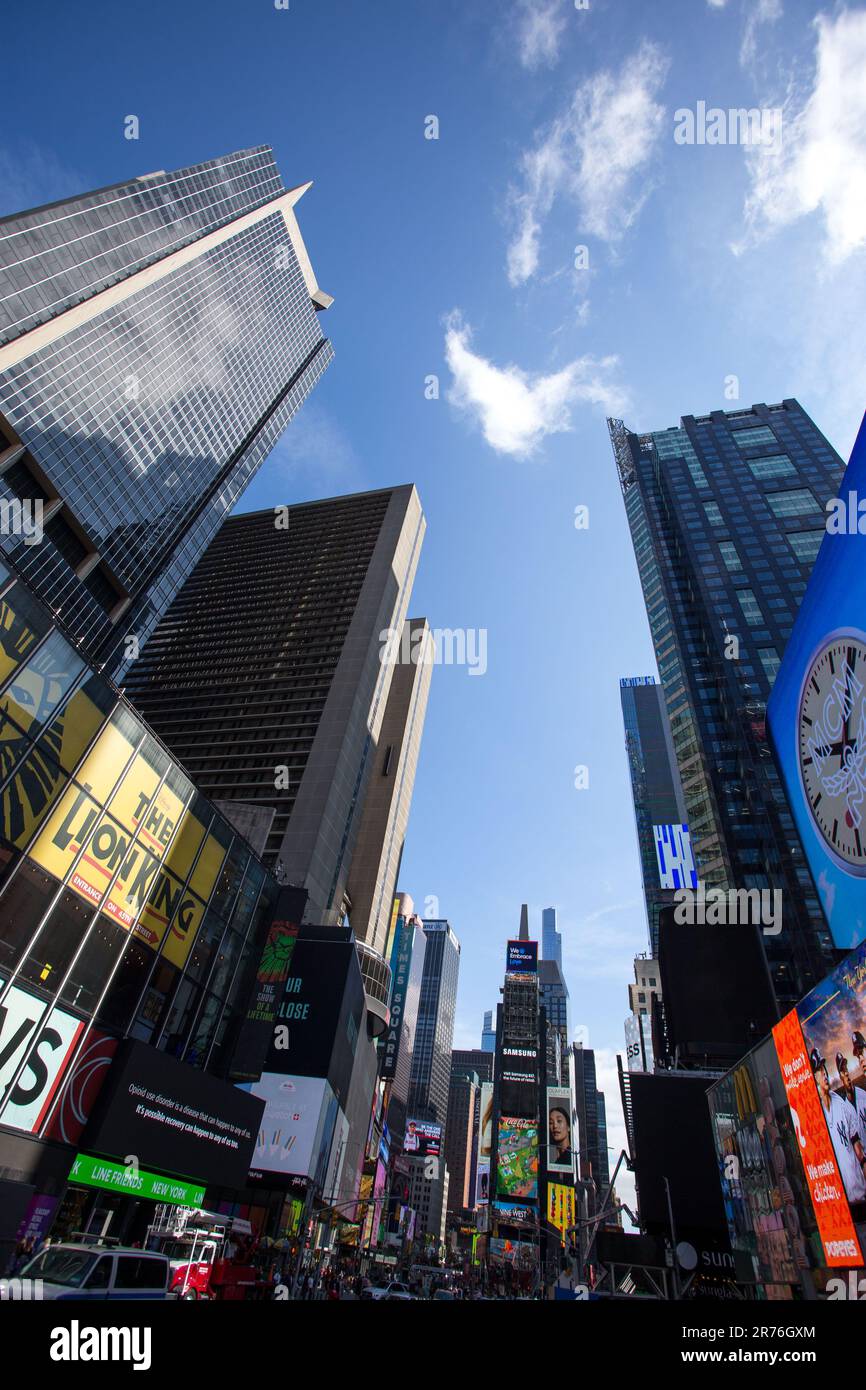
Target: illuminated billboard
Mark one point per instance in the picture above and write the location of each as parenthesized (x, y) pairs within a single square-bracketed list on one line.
[(676, 863), (561, 1207), (297, 1126), (482, 1183), (485, 1126), (560, 1148), (521, 958), (816, 714), (422, 1138), (515, 1214), (518, 1067), (814, 1122), (517, 1158)]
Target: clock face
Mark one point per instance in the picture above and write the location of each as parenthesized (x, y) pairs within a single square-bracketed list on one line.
[(831, 746)]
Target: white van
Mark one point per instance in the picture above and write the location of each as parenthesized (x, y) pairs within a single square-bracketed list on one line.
[(94, 1272)]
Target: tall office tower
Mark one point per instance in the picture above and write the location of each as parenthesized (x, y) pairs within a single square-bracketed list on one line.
[(266, 678), (726, 515), (385, 817), (488, 1033), (156, 338), (666, 860), (551, 941), (431, 1056), (553, 994), (591, 1116), (463, 1094), (398, 1042)]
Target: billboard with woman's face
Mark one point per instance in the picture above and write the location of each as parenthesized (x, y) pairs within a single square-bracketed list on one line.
[(560, 1152)]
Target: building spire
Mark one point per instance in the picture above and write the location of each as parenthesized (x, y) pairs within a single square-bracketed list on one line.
[(523, 934)]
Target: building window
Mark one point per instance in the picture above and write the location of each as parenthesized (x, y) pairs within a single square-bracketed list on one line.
[(796, 503), (770, 662), (749, 604), (772, 466), (750, 438), (714, 516), (806, 544), (730, 555)]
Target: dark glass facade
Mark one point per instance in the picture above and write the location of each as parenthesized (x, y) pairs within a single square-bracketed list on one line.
[(431, 1056), (655, 784), (726, 513), (157, 339), (128, 906)]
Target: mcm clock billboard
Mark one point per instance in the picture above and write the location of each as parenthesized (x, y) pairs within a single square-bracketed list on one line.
[(817, 714)]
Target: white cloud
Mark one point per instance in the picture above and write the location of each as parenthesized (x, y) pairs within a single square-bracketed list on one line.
[(758, 12), (819, 164), (717, 4), (592, 154), (515, 409), (540, 27), (315, 449)]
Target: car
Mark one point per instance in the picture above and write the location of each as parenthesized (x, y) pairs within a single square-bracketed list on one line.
[(444, 1296), (393, 1291), (90, 1273)]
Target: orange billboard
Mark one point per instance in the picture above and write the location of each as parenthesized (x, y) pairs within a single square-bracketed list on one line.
[(832, 1213)]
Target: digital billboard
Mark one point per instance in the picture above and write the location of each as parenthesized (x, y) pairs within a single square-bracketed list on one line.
[(482, 1183), (515, 1214), (561, 1207), (832, 1019), (816, 714), (517, 1158), (174, 1117), (676, 863), (806, 1078), (422, 1138), (560, 1149), (35, 1089), (521, 958), (485, 1123), (518, 1067), (297, 1127)]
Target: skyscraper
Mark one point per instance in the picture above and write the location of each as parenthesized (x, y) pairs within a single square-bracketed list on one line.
[(463, 1096), (488, 1033), (659, 804), (553, 995), (592, 1118), (431, 1056), (266, 677), (551, 941), (430, 1079), (726, 515), (382, 831), (156, 337)]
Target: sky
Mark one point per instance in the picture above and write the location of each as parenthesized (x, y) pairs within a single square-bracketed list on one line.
[(520, 243)]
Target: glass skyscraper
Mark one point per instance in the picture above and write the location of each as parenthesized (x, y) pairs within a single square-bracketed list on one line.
[(551, 941), (655, 783), (726, 516), (156, 337), (431, 1056)]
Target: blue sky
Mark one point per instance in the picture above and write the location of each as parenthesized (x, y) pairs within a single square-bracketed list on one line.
[(455, 257)]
